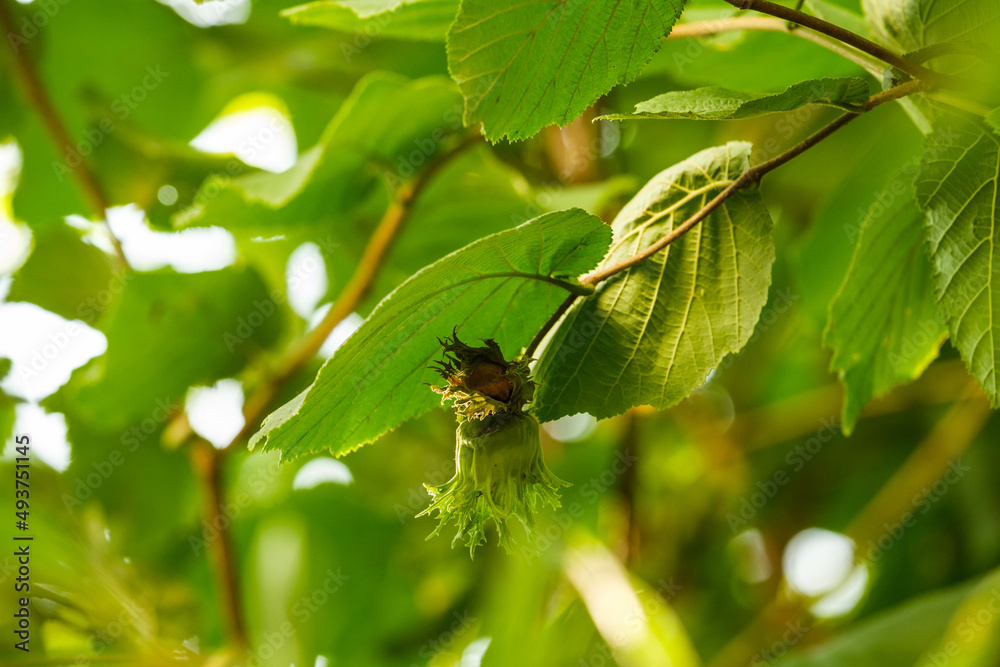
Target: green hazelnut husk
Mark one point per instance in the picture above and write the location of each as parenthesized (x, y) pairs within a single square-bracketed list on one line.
[(500, 474)]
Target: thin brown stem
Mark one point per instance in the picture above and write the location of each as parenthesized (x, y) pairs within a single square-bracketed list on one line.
[(749, 177), (207, 464), (38, 97), (551, 322), (843, 35), (208, 461), (709, 28)]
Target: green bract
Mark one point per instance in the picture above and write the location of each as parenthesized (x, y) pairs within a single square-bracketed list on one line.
[(500, 473)]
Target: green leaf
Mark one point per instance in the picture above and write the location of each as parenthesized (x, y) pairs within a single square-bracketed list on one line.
[(66, 276), (654, 332), (884, 325), (401, 19), (170, 331), (7, 404), (970, 29), (522, 66), (713, 103), (993, 118), (504, 287), (602, 583), (910, 25), (838, 15), (957, 188), (893, 638), (973, 635), (388, 122)]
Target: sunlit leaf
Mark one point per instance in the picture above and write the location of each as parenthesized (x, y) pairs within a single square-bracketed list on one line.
[(654, 332), (503, 286), (884, 326), (957, 188), (170, 331), (400, 19), (723, 104), (522, 66)]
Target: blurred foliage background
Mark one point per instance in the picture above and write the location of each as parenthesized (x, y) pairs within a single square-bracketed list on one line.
[(740, 527)]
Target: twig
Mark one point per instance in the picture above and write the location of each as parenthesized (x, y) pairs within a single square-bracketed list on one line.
[(208, 466), (750, 177), (695, 29), (843, 35), (551, 322), (208, 461), (39, 98)]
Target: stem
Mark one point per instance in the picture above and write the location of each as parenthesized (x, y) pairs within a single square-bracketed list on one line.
[(696, 29), (551, 322), (843, 35), (39, 98), (750, 177), (207, 463)]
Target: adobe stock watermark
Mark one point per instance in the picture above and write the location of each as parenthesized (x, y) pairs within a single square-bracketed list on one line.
[(417, 498), (32, 24), (543, 539), (103, 638), (776, 307), (122, 107), (229, 511), (793, 633), (460, 624), (887, 199), (795, 460), (88, 482), (921, 504), (262, 310), (58, 342), (969, 631)]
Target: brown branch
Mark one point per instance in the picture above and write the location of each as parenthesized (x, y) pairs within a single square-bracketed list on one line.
[(34, 90), (551, 322), (697, 29), (751, 177), (843, 35), (208, 461), (207, 465)]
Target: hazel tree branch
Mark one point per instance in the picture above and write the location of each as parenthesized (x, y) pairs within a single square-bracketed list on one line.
[(696, 29), (38, 97), (208, 461), (842, 35), (751, 176)]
